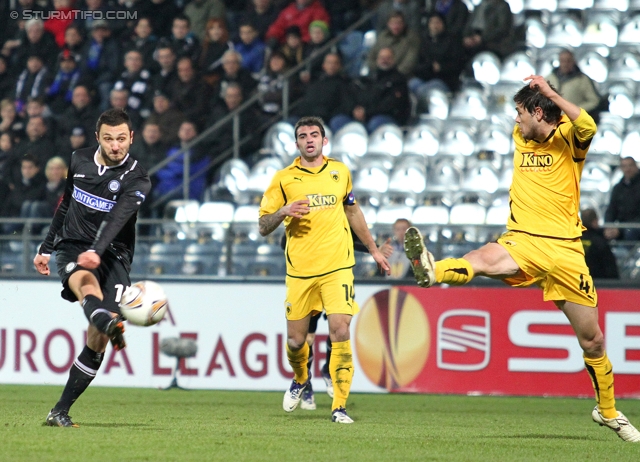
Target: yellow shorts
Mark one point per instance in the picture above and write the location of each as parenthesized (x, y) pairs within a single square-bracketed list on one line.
[(333, 292), (556, 265)]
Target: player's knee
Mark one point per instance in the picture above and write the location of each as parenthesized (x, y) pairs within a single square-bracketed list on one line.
[(295, 342), (593, 345), (340, 334)]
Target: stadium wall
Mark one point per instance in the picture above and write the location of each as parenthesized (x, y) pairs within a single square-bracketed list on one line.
[(478, 340)]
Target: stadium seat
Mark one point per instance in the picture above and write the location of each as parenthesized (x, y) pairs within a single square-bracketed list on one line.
[(574, 4), (601, 29), (516, 67), (565, 30), (594, 65), (430, 215), (165, 258), (269, 260), (469, 103), (535, 32), (486, 68), (214, 219), (444, 181), (607, 141), (233, 180), (624, 67), (370, 213), (139, 263), (497, 214), (352, 140), (505, 177), (621, 101), (480, 180), (202, 259), (629, 31), (371, 180), (422, 139), (457, 141), (247, 214), (541, 5), (493, 138), (260, 176), (548, 59), (630, 146), (280, 140), (407, 181), (619, 5), (596, 180), (502, 99), (388, 214), (387, 139), (434, 103)]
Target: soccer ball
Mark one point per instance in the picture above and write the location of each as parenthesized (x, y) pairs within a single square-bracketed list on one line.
[(144, 303)]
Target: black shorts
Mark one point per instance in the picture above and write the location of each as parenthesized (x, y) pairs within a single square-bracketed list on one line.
[(112, 274)]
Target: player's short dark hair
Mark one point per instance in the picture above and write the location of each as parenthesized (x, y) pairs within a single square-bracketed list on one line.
[(531, 98), (113, 118), (309, 121)]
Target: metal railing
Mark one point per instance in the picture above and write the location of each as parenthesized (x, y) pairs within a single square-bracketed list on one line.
[(234, 118)]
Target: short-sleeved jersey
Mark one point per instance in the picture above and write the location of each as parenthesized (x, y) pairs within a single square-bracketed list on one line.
[(545, 193), (100, 204), (321, 242)]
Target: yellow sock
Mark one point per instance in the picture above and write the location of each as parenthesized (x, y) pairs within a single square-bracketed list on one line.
[(454, 271), (341, 370), (601, 373), (298, 361)]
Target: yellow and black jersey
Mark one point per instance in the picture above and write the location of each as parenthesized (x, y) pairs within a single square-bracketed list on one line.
[(545, 192), (321, 241)]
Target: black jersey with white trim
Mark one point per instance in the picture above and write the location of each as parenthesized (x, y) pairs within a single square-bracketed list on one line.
[(100, 204)]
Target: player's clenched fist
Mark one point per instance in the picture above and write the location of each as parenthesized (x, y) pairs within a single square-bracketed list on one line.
[(41, 262), (296, 209)]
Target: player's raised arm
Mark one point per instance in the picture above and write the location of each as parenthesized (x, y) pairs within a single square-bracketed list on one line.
[(572, 110)]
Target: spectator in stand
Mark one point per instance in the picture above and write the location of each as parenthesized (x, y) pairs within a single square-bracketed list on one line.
[(97, 10), (6, 154), (624, 205), (330, 95), (190, 95), (161, 13), (343, 13), (29, 187), (573, 84), (56, 179), (405, 44), (410, 10), (37, 107), (183, 41), (77, 140), (300, 13), (260, 13), (100, 60), (81, 113), (597, 253), (234, 72), (10, 120), (200, 12), (440, 61), (33, 41), (7, 82), (383, 96), (171, 176), (143, 41), (215, 44), (222, 138), (120, 98), (320, 35), (271, 85), (293, 47), (489, 28), (454, 12), (73, 40), (251, 48), (167, 118), (168, 76), (150, 150), (65, 79), (137, 81), (38, 141), (32, 82), (57, 24)]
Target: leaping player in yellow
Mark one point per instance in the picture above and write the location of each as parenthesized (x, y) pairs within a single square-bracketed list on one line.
[(542, 244), (314, 199)]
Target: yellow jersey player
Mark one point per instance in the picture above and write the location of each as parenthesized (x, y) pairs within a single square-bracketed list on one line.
[(542, 244), (314, 199)]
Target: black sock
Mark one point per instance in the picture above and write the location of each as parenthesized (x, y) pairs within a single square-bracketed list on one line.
[(82, 372), (95, 313), (310, 360), (325, 368)]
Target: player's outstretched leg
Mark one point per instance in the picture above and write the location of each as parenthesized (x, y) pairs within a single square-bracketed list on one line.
[(104, 321), (81, 374), (421, 259), (605, 413), (341, 368), (308, 402), (298, 361)]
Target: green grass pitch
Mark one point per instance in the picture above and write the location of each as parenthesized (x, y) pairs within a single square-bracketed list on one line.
[(150, 425)]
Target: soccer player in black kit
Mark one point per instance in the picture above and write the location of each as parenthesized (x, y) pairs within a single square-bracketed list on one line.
[(93, 235)]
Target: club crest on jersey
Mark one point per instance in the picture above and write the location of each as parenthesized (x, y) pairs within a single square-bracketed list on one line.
[(335, 175), (318, 201), (114, 186), (531, 159), (70, 266)]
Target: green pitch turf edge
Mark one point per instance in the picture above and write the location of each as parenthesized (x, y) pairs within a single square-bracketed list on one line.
[(126, 424)]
